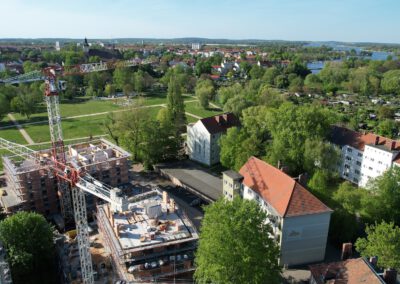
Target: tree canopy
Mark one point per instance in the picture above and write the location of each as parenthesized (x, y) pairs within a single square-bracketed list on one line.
[(383, 241), (235, 246), (28, 239)]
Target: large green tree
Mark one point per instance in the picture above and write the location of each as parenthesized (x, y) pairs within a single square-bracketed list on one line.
[(235, 245), (28, 239), (384, 202), (290, 126), (175, 103), (391, 82), (383, 241), (4, 106), (204, 92)]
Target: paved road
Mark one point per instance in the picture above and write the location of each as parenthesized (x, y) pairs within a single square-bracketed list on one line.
[(21, 130)]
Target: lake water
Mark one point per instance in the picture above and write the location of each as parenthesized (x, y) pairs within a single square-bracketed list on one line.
[(315, 67)]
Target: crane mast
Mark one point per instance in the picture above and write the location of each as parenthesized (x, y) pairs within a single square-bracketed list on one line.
[(73, 182)]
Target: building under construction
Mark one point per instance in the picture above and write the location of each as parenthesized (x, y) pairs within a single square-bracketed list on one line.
[(32, 187), (151, 241)]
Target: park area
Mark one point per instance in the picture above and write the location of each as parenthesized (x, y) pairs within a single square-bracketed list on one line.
[(83, 118)]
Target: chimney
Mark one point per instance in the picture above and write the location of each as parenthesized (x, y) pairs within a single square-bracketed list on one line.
[(225, 116), (390, 276), (376, 140), (172, 205), (302, 179), (373, 260), (218, 119), (347, 251), (165, 197), (393, 145)]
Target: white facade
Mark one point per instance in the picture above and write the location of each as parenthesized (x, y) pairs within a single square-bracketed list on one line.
[(302, 239), (202, 146), (360, 166)]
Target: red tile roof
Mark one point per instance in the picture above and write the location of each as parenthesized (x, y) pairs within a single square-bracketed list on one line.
[(220, 123), (283, 193), (351, 271), (344, 136)]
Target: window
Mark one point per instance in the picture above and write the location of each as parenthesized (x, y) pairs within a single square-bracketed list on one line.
[(370, 168), (348, 158), (357, 172), (380, 162), (349, 150), (355, 180), (359, 154), (358, 163), (372, 159), (347, 166)]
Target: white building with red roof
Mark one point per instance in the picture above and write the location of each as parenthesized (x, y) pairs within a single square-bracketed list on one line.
[(299, 220), (364, 156), (203, 136)]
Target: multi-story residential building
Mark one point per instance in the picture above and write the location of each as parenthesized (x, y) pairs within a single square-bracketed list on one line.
[(203, 136), (32, 187), (150, 242), (364, 156), (299, 220)]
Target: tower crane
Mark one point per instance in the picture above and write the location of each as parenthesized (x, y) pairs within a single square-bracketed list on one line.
[(73, 180)]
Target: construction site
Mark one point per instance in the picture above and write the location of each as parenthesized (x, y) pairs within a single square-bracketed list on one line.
[(31, 187), (152, 240)]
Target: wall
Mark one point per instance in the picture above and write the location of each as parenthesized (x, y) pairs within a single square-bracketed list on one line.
[(198, 143), (304, 238)]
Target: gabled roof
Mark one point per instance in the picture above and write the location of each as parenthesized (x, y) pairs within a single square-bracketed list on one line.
[(220, 123), (344, 136), (351, 271), (283, 193)]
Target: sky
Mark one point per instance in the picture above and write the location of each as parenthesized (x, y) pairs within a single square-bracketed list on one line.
[(313, 20)]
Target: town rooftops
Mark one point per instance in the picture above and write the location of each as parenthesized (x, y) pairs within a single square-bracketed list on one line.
[(220, 123), (283, 193), (351, 271), (344, 136)]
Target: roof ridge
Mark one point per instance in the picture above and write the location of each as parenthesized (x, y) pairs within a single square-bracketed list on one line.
[(290, 198)]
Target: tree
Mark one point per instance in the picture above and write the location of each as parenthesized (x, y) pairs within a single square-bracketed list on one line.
[(391, 82), (383, 241), (387, 128), (385, 204), (237, 104), (226, 254), (121, 77), (320, 155), (225, 93), (281, 81), (127, 90), (312, 84), (237, 147), (270, 97), (296, 85), (270, 75), (290, 126), (256, 72), (26, 103), (385, 112), (349, 197), (28, 239), (109, 90), (4, 106), (204, 92), (175, 104)]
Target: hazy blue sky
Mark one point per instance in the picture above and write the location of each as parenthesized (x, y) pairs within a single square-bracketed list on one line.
[(344, 20)]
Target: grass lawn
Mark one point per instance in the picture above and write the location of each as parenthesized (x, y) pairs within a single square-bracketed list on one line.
[(194, 108), (13, 135)]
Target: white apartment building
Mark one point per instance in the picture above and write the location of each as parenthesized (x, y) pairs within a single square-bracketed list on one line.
[(300, 221), (202, 137), (364, 156)]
